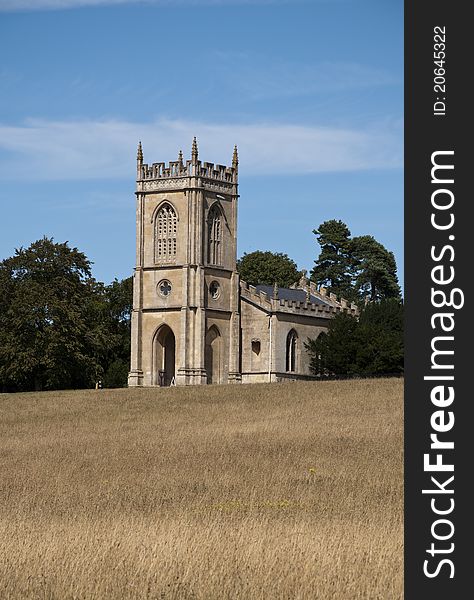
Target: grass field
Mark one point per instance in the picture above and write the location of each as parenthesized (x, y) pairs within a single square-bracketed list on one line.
[(280, 491)]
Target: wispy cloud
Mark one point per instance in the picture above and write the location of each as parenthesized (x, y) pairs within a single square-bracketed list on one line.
[(259, 78), (75, 150), (30, 5)]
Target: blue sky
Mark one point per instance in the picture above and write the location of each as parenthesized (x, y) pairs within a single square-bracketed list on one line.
[(310, 91)]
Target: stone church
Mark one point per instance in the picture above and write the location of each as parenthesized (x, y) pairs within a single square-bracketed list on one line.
[(193, 320)]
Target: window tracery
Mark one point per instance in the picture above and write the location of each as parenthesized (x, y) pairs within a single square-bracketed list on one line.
[(214, 244), (166, 228)]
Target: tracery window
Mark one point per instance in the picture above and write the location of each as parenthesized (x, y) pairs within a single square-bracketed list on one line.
[(214, 243), (166, 226), (291, 341), (164, 288)]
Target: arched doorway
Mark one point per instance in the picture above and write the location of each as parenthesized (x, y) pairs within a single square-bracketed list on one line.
[(213, 355), (164, 356)]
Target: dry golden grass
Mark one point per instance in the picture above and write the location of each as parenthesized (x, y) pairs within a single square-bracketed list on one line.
[(290, 491)]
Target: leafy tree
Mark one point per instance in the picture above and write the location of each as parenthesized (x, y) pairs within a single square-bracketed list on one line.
[(267, 268), (334, 266), (119, 298), (116, 374), (375, 270), (369, 345), (52, 332), (354, 268), (380, 338), (334, 352)]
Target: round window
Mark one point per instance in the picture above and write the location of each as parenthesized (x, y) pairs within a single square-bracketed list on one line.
[(164, 288), (215, 290)]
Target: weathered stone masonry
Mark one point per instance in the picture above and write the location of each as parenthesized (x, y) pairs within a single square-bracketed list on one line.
[(193, 322)]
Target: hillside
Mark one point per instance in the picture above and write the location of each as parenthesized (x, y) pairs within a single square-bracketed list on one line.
[(221, 492)]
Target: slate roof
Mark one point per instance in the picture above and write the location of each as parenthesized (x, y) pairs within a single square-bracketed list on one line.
[(290, 294)]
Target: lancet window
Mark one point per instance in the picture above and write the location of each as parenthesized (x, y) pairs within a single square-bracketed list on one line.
[(291, 342), (166, 228), (214, 244)]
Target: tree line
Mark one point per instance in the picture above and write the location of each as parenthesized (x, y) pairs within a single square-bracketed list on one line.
[(60, 328)]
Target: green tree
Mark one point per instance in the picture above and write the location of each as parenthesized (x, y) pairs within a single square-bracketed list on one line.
[(116, 374), (375, 273), (334, 352), (267, 268), (334, 267), (369, 345), (52, 331), (354, 268), (119, 298), (380, 338)]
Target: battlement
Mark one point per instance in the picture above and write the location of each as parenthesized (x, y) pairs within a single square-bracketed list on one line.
[(319, 303), (189, 168), (260, 298), (323, 294)]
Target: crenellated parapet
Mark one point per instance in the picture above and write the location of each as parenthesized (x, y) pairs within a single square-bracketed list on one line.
[(323, 294), (175, 168), (162, 170), (319, 303), (260, 298), (176, 173)]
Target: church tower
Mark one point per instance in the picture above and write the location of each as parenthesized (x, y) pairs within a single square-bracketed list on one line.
[(185, 318)]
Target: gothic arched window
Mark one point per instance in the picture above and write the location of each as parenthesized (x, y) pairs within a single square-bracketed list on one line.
[(166, 225), (214, 236), (291, 341)]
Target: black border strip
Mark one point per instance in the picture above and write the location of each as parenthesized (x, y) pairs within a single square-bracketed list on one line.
[(426, 132)]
